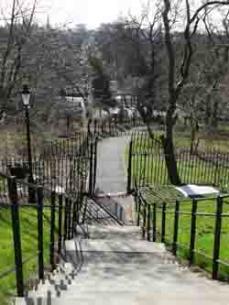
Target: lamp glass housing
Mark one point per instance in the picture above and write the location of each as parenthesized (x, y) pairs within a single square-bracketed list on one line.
[(25, 94), (26, 99)]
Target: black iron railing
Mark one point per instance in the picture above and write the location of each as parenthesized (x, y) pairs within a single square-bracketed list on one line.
[(195, 229), (61, 165), (112, 126), (147, 164), (64, 176), (53, 214)]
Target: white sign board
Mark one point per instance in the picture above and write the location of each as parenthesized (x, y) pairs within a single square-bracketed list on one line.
[(193, 190)]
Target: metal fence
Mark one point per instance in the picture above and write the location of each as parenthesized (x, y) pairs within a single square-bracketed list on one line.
[(147, 164), (112, 126), (64, 174), (37, 230), (66, 163), (61, 166), (194, 229)]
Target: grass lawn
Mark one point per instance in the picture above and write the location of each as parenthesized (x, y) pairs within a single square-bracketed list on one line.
[(28, 222), (204, 231)]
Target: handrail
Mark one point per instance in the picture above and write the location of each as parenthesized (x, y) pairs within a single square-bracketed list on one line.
[(35, 186), (147, 218), (13, 203), (116, 219)]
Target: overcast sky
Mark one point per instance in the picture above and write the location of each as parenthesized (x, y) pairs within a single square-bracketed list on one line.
[(89, 12)]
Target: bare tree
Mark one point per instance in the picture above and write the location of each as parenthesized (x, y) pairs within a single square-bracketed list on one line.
[(178, 73), (15, 33), (145, 32), (216, 67)]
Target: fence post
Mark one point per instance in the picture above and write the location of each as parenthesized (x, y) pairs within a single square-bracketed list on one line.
[(69, 236), (40, 232), (154, 222), (66, 219), (12, 188), (78, 207), (52, 230), (60, 223), (176, 227), (193, 232), (74, 217), (109, 122), (216, 177), (129, 174), (89, 126), (163, 222), (91, 169), (94, 129), (95, 164), (138, 210), (148, 222), (144, 221), (216, 249), (84, 213)]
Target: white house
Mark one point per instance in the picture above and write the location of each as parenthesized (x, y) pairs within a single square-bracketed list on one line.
[(76, 105)]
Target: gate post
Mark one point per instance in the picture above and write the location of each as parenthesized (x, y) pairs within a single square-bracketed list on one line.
[(129, 173), (16, 232), (95, 163), (217, 238), (93, 167)]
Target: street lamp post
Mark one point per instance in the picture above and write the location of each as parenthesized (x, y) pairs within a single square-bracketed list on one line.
[(26, 99)]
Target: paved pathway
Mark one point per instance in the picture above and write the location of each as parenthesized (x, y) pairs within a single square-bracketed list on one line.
[(111, 175)]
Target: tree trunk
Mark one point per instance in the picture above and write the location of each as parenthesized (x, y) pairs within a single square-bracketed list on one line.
[(68, 125), (193, 137), (207, 111), (169, 151), (194, 131), (170, 161), (215, 114)]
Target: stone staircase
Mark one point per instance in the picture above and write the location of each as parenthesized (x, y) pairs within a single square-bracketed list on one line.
[(114, 266)]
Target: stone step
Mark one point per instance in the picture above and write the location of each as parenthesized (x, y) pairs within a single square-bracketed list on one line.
[(114, 232), (123, 270), (111, 272), (129, 298), (116, 245), (97, 265)]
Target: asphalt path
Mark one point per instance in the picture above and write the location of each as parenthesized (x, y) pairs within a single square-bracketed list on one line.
[(111, 173)]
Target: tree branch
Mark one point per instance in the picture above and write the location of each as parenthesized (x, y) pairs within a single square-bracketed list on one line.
[(203, 6)]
